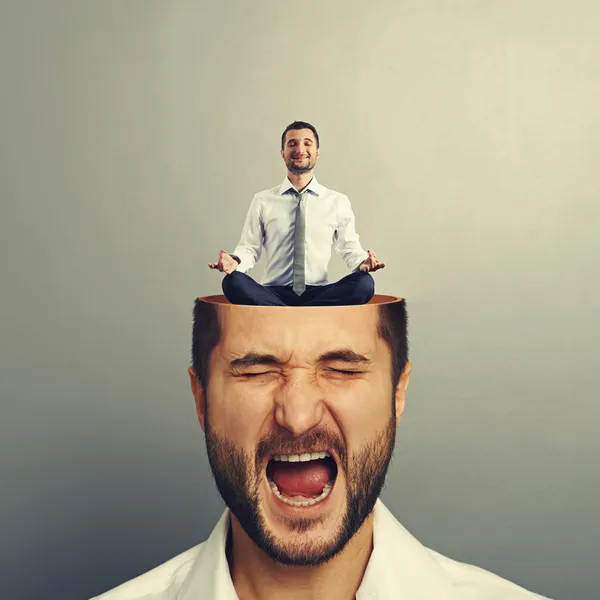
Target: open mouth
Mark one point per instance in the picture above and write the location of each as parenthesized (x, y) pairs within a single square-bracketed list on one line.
[(302, 479)]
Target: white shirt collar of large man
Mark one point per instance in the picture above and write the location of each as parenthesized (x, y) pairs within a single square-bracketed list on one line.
[(399, 567), (314, 186)]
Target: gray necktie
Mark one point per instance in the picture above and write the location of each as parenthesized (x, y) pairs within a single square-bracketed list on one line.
[(299, 284)]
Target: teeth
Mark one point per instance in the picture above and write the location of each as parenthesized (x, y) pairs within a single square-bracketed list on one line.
[(324, 494), (301, 457)]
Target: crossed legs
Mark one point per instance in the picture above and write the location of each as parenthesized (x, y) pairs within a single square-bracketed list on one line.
[(356, 288)]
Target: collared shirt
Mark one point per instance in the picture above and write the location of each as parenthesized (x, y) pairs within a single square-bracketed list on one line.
[(270, 224), (400, 568)]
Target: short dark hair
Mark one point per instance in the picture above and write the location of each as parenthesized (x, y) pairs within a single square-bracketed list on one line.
[(393, 328), (206, 333), (299, 125)]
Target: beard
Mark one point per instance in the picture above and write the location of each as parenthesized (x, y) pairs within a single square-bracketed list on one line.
[(238, 478), (297, 169)]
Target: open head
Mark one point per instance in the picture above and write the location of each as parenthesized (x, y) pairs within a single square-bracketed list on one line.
[(300, 408), (300, 147)]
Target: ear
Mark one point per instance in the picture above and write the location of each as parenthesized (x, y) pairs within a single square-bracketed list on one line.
[(401, 392), (282, 154), (199, 396)]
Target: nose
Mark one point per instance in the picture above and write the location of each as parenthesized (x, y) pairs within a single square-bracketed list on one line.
[(300, 403)]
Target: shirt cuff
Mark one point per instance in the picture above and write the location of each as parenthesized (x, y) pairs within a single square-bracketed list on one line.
[(360, 259), (242, 264)]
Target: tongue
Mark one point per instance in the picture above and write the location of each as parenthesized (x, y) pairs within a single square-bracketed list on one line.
[(300, 478)]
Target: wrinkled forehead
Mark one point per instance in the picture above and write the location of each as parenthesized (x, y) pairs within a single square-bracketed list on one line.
[(299, 333)]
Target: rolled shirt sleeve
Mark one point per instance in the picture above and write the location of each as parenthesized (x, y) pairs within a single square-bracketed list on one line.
[(249, 247), (347, 244)]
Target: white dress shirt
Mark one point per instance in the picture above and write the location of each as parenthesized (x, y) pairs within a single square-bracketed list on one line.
[(400, 568), (270, 224)]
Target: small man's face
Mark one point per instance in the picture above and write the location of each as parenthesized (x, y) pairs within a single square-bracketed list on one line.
[(300, 423), (300, 151)]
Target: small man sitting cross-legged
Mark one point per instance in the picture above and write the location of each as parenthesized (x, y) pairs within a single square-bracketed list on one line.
[(298, 223)]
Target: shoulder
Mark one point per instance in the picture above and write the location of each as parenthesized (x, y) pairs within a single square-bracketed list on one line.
[(157, 584), (327, 191), (469, 582), (410, 563), (269, 192), (334, 198), (265, 198)]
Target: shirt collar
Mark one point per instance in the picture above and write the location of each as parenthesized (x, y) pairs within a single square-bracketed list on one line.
[(209, 576), (314, 187), (399, 567)]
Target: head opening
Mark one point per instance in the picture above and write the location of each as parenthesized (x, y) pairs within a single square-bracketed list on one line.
[(206, 333)]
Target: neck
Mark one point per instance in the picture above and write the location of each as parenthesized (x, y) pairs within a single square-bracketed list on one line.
[(256, 577), (300, 180)]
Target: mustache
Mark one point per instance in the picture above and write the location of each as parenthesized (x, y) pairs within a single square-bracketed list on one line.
[(313, 441)]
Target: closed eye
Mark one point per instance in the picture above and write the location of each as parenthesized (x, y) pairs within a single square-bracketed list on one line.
[(345, 372), (250, 375)]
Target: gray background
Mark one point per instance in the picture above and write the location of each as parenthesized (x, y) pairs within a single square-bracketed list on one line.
[(134, 135)]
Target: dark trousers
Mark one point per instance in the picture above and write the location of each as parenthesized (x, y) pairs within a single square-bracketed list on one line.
[(356, 288)]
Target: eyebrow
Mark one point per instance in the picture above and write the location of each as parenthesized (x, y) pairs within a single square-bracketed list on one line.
[(344, 355), (252, 359), (306, 139)]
